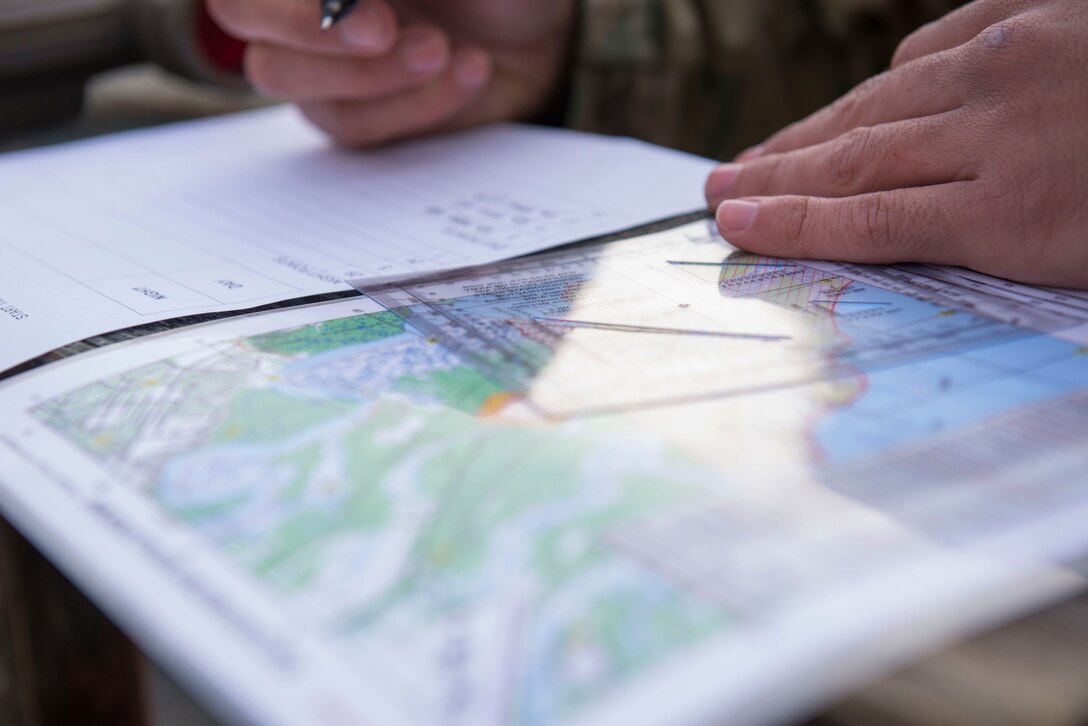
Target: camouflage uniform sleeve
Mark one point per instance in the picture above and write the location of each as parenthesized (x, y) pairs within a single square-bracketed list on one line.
[(717, 76)]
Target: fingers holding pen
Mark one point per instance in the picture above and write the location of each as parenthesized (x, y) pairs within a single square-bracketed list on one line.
[(420, 54), (366, 81), (426, 108), (369, 30)]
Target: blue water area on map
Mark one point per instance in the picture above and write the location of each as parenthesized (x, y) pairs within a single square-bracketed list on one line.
[(911, 402)]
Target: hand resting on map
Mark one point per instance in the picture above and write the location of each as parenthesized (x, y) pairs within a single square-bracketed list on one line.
[(394, 70), (972, 150)]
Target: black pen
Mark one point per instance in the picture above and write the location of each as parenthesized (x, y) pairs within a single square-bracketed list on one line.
[(333, 10)]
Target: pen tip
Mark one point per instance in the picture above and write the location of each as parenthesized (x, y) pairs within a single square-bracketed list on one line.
[(327, 21)]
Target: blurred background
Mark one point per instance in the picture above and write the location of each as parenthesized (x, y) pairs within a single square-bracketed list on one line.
[(74, 68)]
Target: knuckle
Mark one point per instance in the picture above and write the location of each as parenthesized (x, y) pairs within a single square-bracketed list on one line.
[(797, 225), (848, 157), (1013, 44), (873, 224)]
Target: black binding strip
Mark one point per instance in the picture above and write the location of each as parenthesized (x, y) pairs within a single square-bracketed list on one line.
[(163, 326)]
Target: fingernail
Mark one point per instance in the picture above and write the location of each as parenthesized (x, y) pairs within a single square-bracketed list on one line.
[(424, 54), (365, 29), (721, 181), (472, 69), (753, 152), (736, 215)]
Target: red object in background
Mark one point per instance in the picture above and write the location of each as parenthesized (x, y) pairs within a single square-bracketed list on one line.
[(222, 49)]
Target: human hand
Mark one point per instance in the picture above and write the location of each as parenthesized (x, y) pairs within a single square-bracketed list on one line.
[(972, 150), (391, 70)]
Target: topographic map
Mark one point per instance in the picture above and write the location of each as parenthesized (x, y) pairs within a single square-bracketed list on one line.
[(555, 489)]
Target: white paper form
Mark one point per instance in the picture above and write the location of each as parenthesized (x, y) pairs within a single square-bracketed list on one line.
[(257, 208)]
